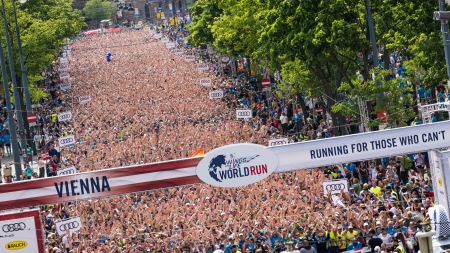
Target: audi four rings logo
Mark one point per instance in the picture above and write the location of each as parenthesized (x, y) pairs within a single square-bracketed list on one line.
[(335, 187), (14, 227), (69, 225)]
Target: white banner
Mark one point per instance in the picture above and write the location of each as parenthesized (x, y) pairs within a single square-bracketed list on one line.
[(72, 225), (165, 40), (278, 142), (67, 171), (364, 146), (445, 106), (157, 36), (84, 100), (335, 186), (63, 60), (437, 170), (216, 94), (66, 141), (206, 82), (190, 58), (63, 69), (65, 86), (243, 114), (64, 77), (178, 51), (170, 45), (18, 233), (202, 67), (65, 116)]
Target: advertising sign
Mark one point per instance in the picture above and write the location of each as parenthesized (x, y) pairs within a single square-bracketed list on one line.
[(65, 116), (158, 36), (278, 142), (66, 141), (243, 114), (189, 58), (21, 233), (170, 45), (216, 94), (206, 82), (202, 67), (237, 165), (84, 100), (178, 51), (335, 186), (65, 86), (67, 171), (165, 40), (72, 225)]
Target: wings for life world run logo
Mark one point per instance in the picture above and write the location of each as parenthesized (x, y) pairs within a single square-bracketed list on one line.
[(237, 165)]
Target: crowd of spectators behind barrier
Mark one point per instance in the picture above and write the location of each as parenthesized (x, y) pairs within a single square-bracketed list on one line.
[(147, 106)]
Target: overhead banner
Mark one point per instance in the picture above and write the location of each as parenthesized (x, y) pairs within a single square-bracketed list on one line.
[(364, 146), (291, 157), (278, 142), (243, 114), (65, 116), (72, 225), (66, 141), (335, 186), (67, 171), (21, 232)]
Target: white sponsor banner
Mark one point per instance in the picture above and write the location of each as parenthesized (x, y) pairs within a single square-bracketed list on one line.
[(157, 36), (72, 225), (237, 165), (244, 114), (63, 60), (152, 31), (67, 171), (278, 142), (216, 94), (170, 45), (445, 106), (64, 76), (65, 86), (364, 146), (84, 100), (66, 141), (190, 58), (65, 116), (165, 40), (20, 234), (178, 51), (335, 186), (202, 67), (206, 82)]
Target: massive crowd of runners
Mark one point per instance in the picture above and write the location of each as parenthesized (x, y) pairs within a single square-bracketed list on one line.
[(147, 106)]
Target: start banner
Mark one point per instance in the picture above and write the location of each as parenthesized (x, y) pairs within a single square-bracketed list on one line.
[(21, 232), (290, 157)]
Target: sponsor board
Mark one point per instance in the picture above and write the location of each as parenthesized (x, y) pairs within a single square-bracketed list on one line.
[(216, 94), (335, 186), (65, 86), (178, 51), (225, 59), (20, 232), (237, 165), (189, 58), (64, 77), (203, 67), (67, 171), (278, 142), (65, 116), (66, 141), (63, 60), (170, 45), (157, 36), (206, 82), (84, 100), (72, 225), (165, 40), (244, 114)]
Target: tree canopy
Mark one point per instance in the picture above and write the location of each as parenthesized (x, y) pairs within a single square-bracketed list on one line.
[(98, 10)]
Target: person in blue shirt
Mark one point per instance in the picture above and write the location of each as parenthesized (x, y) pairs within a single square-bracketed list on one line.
[(441, 96), (7, 140), (421, 94), (108, 56)]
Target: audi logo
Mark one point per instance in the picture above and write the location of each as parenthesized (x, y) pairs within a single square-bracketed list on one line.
[(69, 225), (67, 172), (277, 143), (14, 227), (335, 187)]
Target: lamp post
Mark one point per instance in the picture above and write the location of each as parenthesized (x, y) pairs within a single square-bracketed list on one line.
[(17, 103), (29, 134), (444, 17)]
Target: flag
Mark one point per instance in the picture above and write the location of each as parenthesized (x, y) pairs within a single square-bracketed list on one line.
[(198, 152)]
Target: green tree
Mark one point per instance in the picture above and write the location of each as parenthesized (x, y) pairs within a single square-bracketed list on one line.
[(204, 12), (98, 10)]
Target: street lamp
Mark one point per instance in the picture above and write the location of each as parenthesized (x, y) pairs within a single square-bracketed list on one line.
[(444, 17)]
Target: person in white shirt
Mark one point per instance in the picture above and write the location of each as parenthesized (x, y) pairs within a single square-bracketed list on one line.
[(387, 239)]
